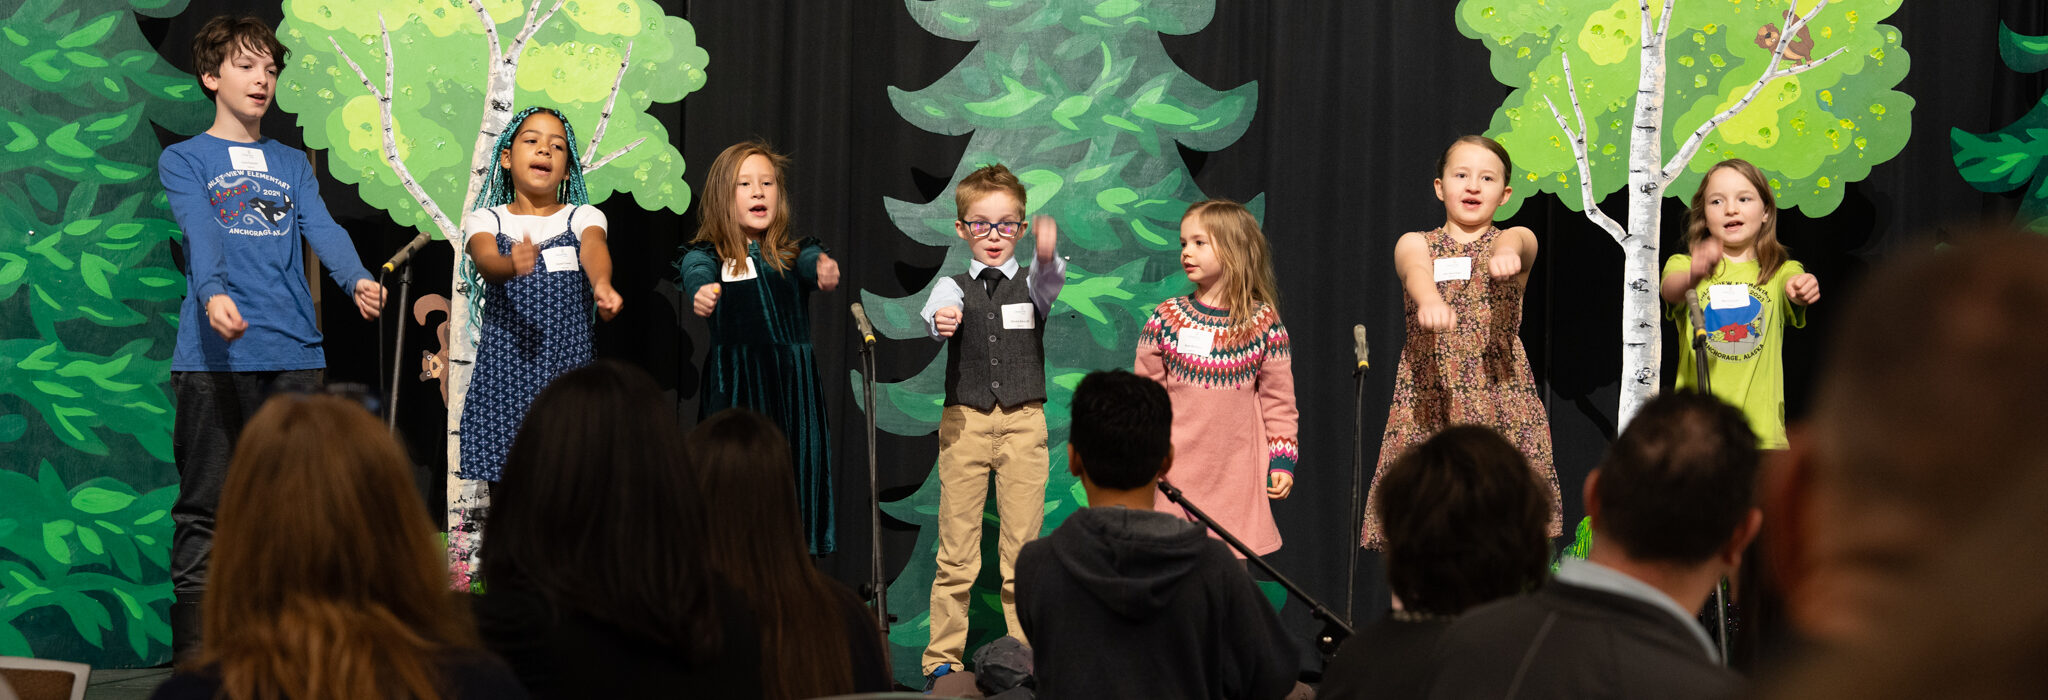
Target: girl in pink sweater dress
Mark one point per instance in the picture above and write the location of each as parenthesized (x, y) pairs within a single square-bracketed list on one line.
[(1222, 355)]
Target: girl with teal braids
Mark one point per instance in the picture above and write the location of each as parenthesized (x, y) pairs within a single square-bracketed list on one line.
[(537, 247)]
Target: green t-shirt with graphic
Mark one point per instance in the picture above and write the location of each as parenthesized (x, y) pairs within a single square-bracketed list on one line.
[(1744, 323)]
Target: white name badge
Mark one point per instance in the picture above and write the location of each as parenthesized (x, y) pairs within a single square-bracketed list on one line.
[(245, 158), (1195, 341), (1728, 296), (1020, 317), (1453, 269), (561, 259), (725, 273)]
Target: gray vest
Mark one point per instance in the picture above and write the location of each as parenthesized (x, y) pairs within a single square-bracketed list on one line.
[(988, 365)]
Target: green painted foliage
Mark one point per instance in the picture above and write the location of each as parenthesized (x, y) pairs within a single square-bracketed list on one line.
[(88, 313), (441, 60), (1080, 100), (2015, 157), (97, 551), (1811, 133)]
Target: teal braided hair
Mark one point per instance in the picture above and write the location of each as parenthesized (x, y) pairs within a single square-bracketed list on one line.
[(498, 190)]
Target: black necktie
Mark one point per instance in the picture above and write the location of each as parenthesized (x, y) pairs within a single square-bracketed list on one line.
[(990, 279)]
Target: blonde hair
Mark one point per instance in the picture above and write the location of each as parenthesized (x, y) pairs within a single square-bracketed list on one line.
[(327, 580), (1770, 254), (1247, 260), (718, 220), (984, 181)]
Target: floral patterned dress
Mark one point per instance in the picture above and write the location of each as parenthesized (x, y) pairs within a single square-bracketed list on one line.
[(1476, 374)]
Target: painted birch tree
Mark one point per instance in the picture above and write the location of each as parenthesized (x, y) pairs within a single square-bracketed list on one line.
[(2014, 157), (1626, 93), (1080, 99), (418, 145)]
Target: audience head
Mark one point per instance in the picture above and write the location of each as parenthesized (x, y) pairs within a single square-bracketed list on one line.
[(598, 511), (1122, 435), (1678, 486), (1465, 520), (755, 539), (326, 579), (1922, 418)]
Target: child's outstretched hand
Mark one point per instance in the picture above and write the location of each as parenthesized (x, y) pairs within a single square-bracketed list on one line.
[(706, 300), (1804, 289), (608, 301), (1278, 485), (947, 320), (1705, 254), (1048, 235), (225, 318), (524, 254), (828, 272), (1435, 316), (1506, 262), (369, 299)]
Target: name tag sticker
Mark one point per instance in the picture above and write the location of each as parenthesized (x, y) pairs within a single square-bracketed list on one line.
[(245, 158), (1728, 296), (725, 273), (1195, 341), (1453, 269), (1020, 317), (561, 259)]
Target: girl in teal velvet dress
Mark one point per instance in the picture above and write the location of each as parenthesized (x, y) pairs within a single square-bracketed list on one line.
[(752, 281)]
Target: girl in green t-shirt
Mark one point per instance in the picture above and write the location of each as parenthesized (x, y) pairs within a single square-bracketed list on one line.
[(1749, 290)]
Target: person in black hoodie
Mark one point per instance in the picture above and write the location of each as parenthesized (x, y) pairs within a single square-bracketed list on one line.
[(1125, 602)]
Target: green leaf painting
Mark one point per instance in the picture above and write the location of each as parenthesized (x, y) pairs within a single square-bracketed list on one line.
[(2012, 159), (88, 317), (1079, 98)]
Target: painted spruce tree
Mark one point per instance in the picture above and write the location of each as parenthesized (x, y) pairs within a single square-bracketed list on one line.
[(2016, 156), (1625, 93), (1079, 98), (88, 316), (417, 146)]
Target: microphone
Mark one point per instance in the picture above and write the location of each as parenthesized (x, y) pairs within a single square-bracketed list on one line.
[(404, 254), (1699, 318), (860, 319), (1358, 345)]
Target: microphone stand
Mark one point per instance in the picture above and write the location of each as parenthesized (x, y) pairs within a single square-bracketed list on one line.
[(878, 591), (1335, 630), (1699, 366), (1357, 477), (398, 347)]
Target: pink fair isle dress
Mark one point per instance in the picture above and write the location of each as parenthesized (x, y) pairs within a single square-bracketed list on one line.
[(1476, 374), (1234, 418)]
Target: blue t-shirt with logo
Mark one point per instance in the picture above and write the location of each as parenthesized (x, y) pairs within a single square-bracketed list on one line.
[(244, 207)]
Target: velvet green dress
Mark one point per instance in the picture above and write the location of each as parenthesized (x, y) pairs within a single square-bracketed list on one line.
[(761, 358)]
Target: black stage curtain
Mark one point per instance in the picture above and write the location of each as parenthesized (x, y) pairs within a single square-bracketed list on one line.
[(1357, 99)]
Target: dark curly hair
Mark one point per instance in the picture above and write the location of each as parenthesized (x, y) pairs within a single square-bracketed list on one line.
[(1465, 522)]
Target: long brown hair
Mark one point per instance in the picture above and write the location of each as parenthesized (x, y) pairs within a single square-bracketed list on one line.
[(326, 580), (718, 219), (754, 537), (1246, 258), (1770, 254)]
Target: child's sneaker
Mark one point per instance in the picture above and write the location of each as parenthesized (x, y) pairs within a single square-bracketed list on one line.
[(932, 678)]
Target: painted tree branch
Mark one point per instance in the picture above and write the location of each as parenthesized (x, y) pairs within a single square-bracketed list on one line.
[(599, 163), (605, 118), (405, 177), (1771, 72), (533, 25), (490, 27), (1579, 153)]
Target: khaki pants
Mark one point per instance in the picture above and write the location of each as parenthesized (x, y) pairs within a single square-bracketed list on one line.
[(1010, 443)]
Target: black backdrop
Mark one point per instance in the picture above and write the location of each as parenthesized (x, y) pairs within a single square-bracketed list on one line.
[(1356, 99)]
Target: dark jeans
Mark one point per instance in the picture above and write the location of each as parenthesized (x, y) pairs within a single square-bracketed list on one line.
[(212, 408)]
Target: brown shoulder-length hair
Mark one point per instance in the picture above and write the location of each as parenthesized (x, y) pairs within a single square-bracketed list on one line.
[(326, 579), (718, 221), (1770, 254), (754, 537), (1247, 259)]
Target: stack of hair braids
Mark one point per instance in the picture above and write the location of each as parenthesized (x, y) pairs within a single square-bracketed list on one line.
[(498, 190)]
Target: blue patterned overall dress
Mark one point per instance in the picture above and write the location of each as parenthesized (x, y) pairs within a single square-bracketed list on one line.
[(535, 326)]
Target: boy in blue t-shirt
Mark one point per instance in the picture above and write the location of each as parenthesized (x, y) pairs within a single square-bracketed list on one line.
[(247, 328)]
